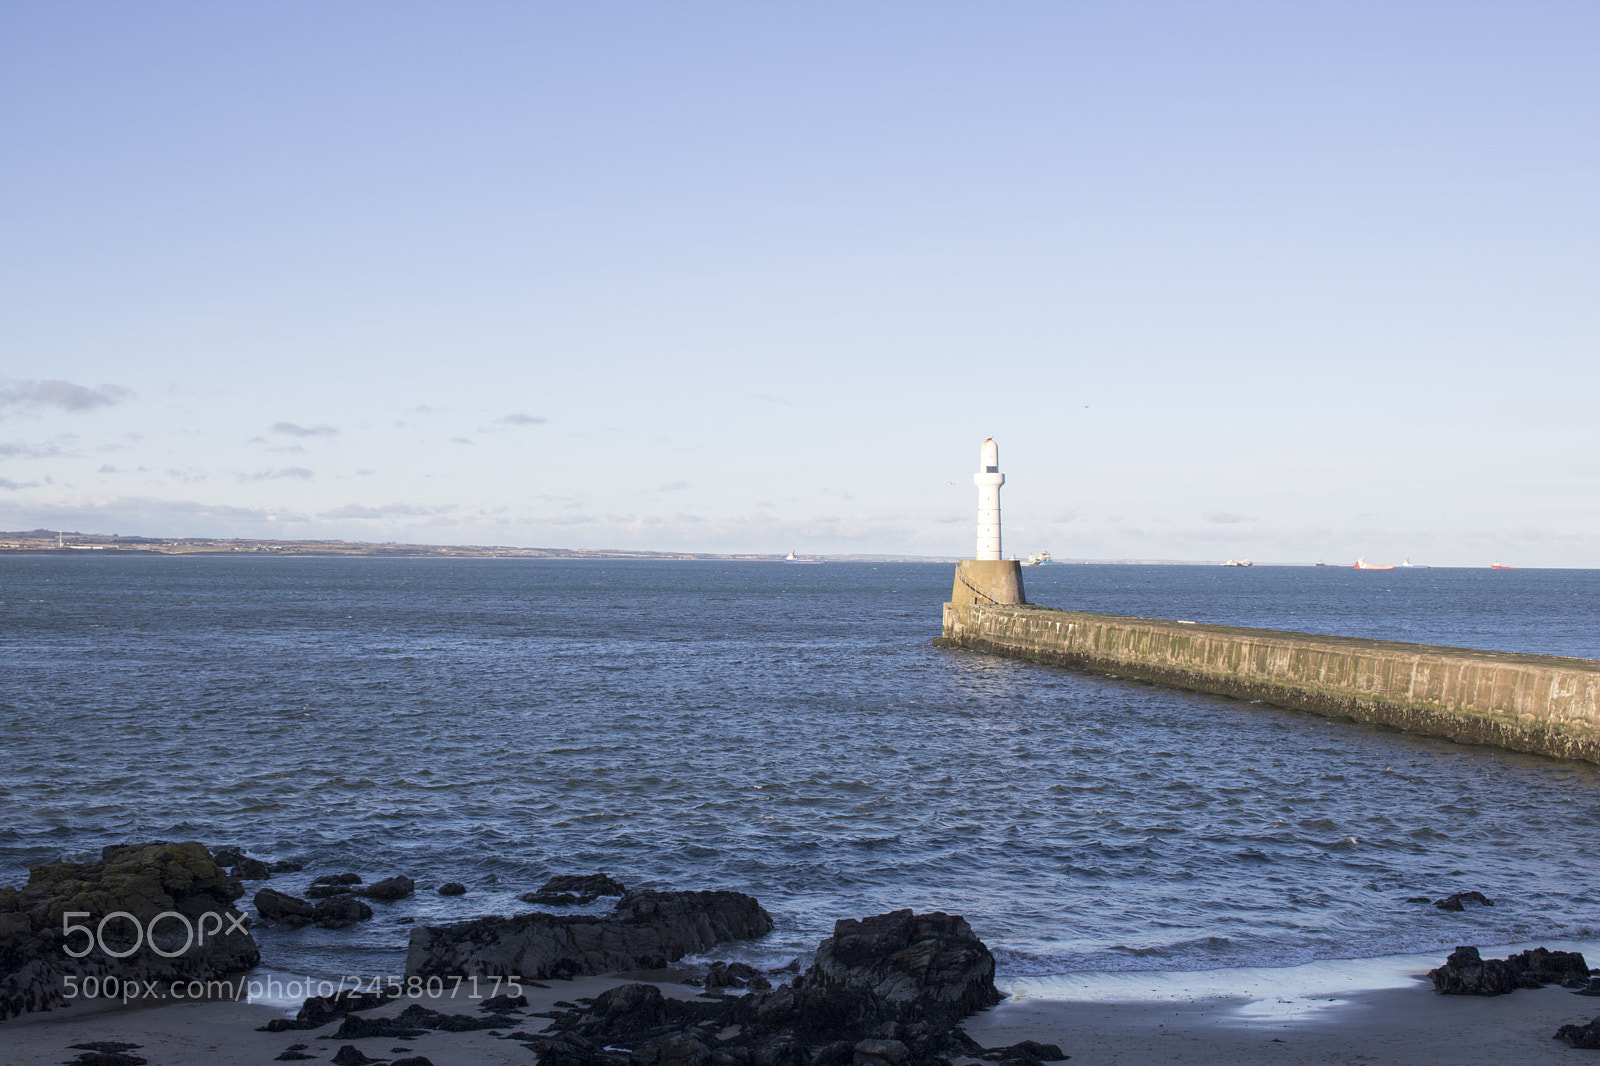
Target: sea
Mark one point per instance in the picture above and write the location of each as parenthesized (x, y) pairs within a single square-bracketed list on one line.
[(790, 732)]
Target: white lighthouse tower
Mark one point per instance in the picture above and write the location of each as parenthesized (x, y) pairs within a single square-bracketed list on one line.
[(989, 479), (988, 577)]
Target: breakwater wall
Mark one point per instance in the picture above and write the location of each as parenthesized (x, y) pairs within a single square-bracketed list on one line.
[(1544, 704)]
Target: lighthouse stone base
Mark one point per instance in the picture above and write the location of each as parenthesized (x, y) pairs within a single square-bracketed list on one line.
[(988, 581)]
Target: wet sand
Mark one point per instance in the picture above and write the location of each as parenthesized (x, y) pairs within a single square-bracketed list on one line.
[(1409, 1026)]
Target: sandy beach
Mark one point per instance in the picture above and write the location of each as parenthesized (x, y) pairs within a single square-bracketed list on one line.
[(1408, 1026)]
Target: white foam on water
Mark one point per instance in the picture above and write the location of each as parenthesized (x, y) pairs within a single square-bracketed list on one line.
[(1282, 993)]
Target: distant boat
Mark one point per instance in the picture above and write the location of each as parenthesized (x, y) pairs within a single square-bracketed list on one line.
[(1501, 566), (1238, 562), (1321, 563), (1408, 564), (795, 559), (1038, 559), (1362, 564)]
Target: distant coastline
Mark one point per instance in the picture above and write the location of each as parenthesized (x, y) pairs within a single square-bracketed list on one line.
[(56, 542)]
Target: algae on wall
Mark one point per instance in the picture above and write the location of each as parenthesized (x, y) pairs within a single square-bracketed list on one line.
[(1544, 704)]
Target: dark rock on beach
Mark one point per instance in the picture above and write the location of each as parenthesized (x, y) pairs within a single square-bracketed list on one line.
[(735, 975), (320, 1010), (143, 880), (903, 967), (1025, 1053), (503, 1003), (884, 991), (452, 888), (106, 1053), (413, 1022), (1466, 973), (106, 1058), (646, 929), (1586, 1036)]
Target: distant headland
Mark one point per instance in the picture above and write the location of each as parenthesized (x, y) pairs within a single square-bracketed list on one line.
[(60, 541)]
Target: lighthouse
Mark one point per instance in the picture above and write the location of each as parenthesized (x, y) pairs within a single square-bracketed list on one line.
[(988, 577), (989, 479)]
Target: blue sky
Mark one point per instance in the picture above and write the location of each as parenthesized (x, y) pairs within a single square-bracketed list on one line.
[(1287, 281)]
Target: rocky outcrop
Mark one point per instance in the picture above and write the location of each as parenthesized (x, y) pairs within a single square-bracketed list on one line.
[(199, 927), (735, 975), (569, 890), (1466, 973), (275, 906), (333, 885), (414, 1021), (320, 1010), (909, 967), (336, 912), (389, 889), (1457, 901), (1585, 1036), (647, 929), (884, 991)]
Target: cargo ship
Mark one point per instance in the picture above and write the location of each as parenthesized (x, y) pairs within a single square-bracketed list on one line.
[(1362, 564)]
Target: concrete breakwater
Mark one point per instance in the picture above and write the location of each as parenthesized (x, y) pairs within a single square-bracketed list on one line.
[(1544, 704)]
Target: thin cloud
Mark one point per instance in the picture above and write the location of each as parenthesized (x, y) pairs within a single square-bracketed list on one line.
[(674, 486), (22, 450), (274, 475), (391, 510), (521, 420), (1227, 518), (294, 429), (459, 440), (764, 398), (63, 395), (12, 486), (193, 518), (565, 520)]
